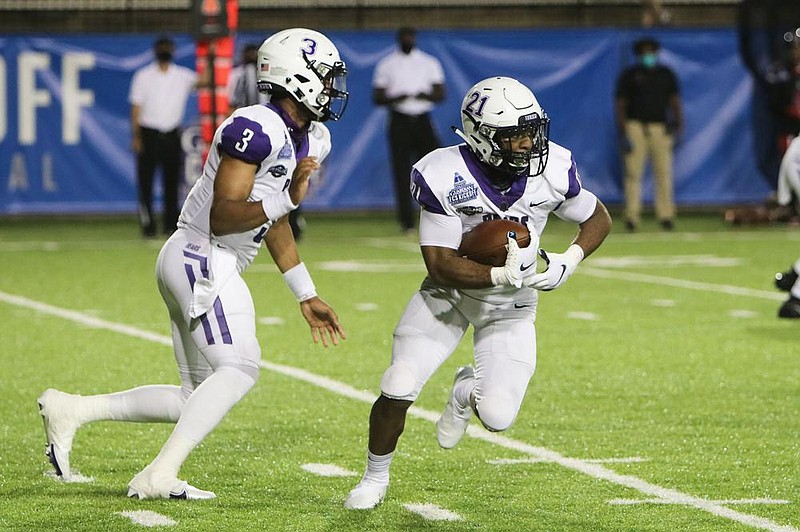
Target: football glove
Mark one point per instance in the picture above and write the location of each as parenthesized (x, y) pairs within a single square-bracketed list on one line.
[(559, 268), (509, 273)]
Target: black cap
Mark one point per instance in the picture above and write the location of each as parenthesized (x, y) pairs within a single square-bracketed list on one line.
[(645, 43)]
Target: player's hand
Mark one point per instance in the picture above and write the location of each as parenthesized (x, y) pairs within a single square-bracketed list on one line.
[(509, 273), (528, 258), (323, 321), (136, 145), (560, 266), (299, 186)]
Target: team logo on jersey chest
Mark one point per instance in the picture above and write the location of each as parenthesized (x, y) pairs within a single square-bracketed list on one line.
[(277, 171), (286, 152), (461, 191), (470, 210)]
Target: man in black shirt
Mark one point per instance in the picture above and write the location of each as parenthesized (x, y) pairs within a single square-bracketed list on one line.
[(648, 113)]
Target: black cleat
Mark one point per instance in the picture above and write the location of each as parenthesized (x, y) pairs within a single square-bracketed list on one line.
[(790, 308), (785, 280)]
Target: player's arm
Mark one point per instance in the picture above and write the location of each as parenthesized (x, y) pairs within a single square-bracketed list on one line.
[(321, 318), (594, 230), (440, 235), (230, 210)]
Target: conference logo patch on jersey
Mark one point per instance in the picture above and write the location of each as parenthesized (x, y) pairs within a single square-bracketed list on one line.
[(470, 210), (277, 171), (286, 152), (461, 191)]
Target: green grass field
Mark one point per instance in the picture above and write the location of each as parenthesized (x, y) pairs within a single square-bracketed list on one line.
[(666, 397)]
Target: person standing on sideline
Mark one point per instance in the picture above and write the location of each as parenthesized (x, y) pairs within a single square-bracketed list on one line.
[(409, 82), (649, 119), (507, 169), (158, 96), (257, 172), (242, 85)]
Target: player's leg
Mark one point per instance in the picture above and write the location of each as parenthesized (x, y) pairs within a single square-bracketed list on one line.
[(660, 147), (226, 342), (426, 335), (505, 360), (64, 413), (791, 307), (634, 161)]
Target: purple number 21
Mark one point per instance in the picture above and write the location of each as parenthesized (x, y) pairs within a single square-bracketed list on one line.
[(476, 97)]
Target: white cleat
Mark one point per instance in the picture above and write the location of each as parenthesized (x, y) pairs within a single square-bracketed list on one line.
[(453, 422), (366, 495), (60, 423), (149, 484)]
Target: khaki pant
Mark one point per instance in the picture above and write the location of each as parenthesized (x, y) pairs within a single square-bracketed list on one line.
[(648, 140)]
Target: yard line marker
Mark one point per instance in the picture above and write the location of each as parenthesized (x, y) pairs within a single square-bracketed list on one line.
[(328, 470), (271, 320), (431, 512), (513, 461), (680, 283), (588, 316), (722, 501), (148, 518), (582, 466)]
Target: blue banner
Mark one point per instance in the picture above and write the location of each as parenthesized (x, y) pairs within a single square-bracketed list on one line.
[(65, 135)]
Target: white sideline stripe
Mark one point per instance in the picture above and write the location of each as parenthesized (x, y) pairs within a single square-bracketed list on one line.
[(722, 501), (148, 518), (681, 283), (328, 470), (581, 466), (431, 512), (588, 316), (513, 461)]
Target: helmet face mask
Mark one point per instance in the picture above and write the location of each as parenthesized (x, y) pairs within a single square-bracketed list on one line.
[(306, 65), (506, 128)]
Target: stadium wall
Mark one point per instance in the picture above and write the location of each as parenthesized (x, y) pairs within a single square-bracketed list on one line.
[(64, 134)]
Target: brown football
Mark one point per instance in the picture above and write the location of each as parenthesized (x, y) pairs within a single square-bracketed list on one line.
[(486, 242)]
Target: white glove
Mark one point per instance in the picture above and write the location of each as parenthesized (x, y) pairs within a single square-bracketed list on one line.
[(508, 274), (559, 267), (528, 258)]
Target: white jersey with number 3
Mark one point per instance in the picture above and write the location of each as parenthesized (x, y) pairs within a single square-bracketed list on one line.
[(265, 136)]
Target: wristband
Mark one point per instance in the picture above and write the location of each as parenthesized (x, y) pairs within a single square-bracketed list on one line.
[(300, 283), (498, 275), (575, 253), (276, 206)]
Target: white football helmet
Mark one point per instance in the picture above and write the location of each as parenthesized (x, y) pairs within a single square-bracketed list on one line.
[(502, 108), (305, 64)]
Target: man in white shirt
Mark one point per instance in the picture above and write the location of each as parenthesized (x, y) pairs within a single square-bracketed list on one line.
[(158, 96), (409, 82)]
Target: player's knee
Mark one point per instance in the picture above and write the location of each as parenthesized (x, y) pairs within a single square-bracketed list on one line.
[(497, 413), (399, 382)]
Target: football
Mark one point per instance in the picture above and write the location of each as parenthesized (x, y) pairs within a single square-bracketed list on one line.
[(486, 242)]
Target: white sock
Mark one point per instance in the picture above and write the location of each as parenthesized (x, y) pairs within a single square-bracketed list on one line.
[(203, 411), (462, 391), (795, 290), (147, 404), (378, 467)]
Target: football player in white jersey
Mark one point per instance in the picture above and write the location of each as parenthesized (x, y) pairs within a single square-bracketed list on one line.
[(507, 168), (257, 172)]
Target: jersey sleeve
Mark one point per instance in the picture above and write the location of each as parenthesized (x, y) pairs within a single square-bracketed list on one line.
[(320, 138), (439, 230), (135, 95), (422, 193), (578, 208), (246, 140)]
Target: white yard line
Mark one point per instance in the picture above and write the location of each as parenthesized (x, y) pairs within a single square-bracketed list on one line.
[(148, 518), (431, 512), (679, 283), (592, 470)]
